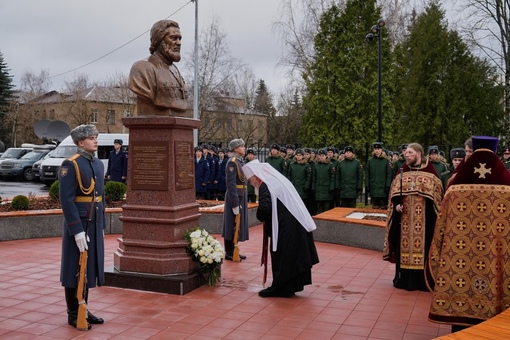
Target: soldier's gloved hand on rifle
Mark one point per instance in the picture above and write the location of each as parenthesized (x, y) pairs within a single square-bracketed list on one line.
[(81, 241), (235, 210)]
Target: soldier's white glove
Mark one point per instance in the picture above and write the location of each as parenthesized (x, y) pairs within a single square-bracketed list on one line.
[(235, 210), (81, 241)]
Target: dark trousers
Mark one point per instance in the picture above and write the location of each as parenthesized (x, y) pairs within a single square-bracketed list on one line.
[(229, 247), (72, 301)]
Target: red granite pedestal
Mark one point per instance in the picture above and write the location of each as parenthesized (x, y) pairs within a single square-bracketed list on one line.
[(160, 207)]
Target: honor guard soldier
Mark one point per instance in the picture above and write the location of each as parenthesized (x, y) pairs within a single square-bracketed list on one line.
[(81, 186), (236, 201)]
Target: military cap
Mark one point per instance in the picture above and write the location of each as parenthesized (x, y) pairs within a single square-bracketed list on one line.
[(321, 152), (205, 146), (235, 143), (212, 148), (250, 151), (506, 149), (377, 145), (290, 146), (118, 141), (433, 149), (222, 150), (342, 152), (197, 149), (307, 150), (300, 152), (403, 146), (457, 153), (349, 148), (390, 153), (283, 149), (330, 148), (485, 142), (275, 146), (83, 131)]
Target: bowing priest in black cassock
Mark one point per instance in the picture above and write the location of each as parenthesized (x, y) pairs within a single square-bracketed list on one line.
[(289, 226)]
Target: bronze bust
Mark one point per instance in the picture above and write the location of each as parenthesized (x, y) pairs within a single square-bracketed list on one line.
[(156, 81)]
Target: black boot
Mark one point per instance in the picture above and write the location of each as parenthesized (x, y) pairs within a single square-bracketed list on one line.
[(72, 307), (229, 250)]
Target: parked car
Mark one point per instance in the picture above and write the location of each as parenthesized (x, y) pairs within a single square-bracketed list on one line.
[(14, 153), (21, 168), (36, 167)]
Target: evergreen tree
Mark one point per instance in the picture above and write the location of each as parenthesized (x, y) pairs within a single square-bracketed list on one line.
[(443, 93), (6, 97), (264, 100), (342, 98)]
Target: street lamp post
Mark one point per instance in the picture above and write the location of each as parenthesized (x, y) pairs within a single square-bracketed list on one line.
[(375, 32)]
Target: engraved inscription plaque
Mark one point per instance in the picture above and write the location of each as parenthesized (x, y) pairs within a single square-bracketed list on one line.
[(184, 166), (149, 170)]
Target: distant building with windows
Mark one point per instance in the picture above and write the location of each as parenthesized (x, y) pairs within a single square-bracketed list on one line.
[(223, 119)]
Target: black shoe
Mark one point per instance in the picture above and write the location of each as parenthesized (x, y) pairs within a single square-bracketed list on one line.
[(92, 319), (72, 321), (274, 292), (231, 257)]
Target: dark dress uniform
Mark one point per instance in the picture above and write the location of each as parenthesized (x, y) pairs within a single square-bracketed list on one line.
[(77, 193), (222, 178), (235, 196), (201, 177), (117, 166)]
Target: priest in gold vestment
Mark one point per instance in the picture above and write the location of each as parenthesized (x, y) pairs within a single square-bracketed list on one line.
[(468, 270), (415, 197)]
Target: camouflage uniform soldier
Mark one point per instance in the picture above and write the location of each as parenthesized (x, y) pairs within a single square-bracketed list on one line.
[(506, 157), (275, 159), (350, 175), (401, 159), (378, 177), (324, 182), (440, 167), (333, 159), (300, 174)]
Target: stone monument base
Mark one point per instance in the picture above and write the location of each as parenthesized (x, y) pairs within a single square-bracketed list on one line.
[(179, 284)]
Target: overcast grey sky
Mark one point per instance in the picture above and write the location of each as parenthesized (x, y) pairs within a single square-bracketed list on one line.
[(62, 35)]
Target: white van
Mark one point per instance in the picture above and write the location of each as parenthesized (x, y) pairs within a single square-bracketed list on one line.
[(48, 171)]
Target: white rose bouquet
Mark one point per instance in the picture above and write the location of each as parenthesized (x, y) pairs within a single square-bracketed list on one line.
[(207, 251)]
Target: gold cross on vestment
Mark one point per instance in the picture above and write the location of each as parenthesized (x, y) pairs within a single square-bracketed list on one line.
[(482, 170)]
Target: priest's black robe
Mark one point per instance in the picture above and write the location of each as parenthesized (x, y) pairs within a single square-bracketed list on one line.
[(295, 254)]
